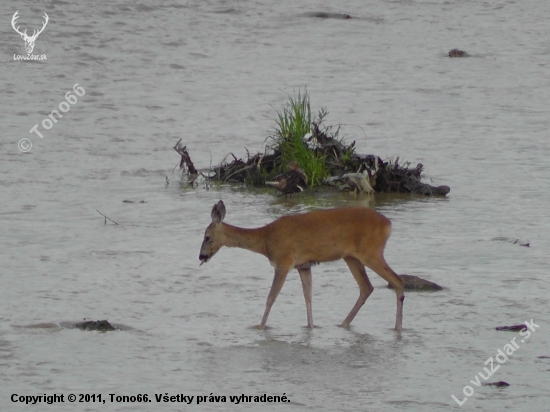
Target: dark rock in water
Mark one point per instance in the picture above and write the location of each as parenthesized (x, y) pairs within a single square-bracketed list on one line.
[(324, 15), (499, 384), (429, 190), (99, 325), (415, 283), (513, 328), (544, 357), (457, 53)]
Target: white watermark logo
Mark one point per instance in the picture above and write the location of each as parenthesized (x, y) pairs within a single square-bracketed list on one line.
[(501, 357), (25, 144), (29, 40)]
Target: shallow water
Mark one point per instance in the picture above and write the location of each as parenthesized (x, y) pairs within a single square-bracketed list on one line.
[(211, 73)]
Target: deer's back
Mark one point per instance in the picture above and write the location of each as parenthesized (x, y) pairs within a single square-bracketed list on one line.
[(327, 235)]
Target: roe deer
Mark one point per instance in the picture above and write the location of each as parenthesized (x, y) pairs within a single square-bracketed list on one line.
[(357, 235)]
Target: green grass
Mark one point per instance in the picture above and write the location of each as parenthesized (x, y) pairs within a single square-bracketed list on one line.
[(292, 124)]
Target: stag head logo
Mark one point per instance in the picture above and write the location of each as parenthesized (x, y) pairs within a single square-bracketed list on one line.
[(29, 40)]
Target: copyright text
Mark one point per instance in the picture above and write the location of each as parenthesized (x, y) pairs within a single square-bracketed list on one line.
[(157, 397)]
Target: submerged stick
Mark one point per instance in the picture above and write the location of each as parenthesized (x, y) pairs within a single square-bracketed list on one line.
[(106, 217)]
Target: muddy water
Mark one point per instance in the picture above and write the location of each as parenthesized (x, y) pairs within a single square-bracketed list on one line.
[(209, 72)]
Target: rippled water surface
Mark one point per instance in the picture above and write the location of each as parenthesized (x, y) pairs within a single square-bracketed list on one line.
[(211, 73)]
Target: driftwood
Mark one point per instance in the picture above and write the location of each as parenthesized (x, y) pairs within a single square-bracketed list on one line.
[(512, 241), (186, 165), (513, 328), (106, 217), (499, 384), (391, 177)]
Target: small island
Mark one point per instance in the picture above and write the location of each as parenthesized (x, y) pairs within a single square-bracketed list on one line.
[(303, 153)]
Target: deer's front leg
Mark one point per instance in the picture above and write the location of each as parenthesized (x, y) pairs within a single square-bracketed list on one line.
[(305, 275), (278, 281)]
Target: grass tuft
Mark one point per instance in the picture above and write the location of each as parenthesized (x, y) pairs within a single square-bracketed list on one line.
[(293, 123)]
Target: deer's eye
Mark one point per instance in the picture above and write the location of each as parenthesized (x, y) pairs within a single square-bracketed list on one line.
[(207, 238)]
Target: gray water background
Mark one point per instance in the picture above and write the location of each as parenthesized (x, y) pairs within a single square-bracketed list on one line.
[(212, 73)]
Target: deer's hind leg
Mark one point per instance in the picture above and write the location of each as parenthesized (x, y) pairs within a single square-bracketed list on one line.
[(385, 272), (365, 287)]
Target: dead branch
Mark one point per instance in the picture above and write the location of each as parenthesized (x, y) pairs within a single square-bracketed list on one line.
[(185, 161), (106, 217)]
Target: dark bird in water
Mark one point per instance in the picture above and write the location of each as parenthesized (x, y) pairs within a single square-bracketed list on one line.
[(292, 181), (457, 53)]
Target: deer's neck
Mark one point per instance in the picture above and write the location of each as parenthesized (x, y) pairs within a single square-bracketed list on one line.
[(249, 239)]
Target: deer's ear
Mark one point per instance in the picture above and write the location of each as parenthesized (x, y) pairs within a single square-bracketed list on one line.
[(218, 212)]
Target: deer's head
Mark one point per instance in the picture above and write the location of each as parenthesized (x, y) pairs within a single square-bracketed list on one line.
[(214, 234), (29, 40)]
